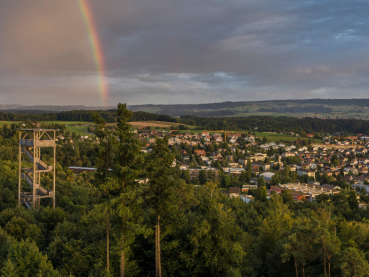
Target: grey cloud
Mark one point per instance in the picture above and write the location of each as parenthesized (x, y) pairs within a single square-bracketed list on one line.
[(175, 51)]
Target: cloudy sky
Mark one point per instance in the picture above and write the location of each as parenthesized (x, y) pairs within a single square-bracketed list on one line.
[(184, 51)]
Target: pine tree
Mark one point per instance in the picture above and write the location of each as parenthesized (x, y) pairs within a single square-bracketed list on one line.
[(127, 169), (9, 269), (103, 173), (353, 263), (160, 193)]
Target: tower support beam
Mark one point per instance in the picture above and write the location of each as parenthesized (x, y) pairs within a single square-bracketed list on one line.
[(30, 143)]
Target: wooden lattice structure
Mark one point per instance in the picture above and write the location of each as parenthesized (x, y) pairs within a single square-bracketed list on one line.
[(30, 143)]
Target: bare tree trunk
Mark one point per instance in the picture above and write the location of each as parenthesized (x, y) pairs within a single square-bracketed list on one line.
[(159, 251), (107, 242), (297, 272), (325, 267), (122, 264), (329, 268), (122, 254), (157, 248), (122, 260)]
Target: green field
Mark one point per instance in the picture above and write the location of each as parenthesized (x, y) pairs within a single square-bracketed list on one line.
[(7, 122), (67, 122), (80, 127), (71, 126), (82, 130), (79, 130)]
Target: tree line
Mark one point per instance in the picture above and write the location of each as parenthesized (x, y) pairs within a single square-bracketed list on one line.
[(262, 123), (297, 109), (279, 124), (81, 115)]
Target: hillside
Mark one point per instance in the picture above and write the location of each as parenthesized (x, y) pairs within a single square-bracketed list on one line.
[(324, 108)]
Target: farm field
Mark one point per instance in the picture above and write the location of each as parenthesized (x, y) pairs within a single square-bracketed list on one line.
[(159, 124), (7, 122), (67, 122), (80, 128)]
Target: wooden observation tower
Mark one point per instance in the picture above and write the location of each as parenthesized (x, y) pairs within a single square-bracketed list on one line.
[(30, 143)]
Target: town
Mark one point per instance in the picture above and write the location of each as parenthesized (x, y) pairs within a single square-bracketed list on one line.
[(241, 162), (245, 187)]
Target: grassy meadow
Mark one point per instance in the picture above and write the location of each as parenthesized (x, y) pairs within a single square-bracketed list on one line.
[(80, 128)]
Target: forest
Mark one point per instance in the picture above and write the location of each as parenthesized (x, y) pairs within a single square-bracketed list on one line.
[(173, 111), (232, 105), (279, 124), (309, 109), (137, 215), (80, 115)]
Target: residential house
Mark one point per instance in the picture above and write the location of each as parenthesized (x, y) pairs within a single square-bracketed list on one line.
[(331, 187), (265, 166), (307, 172), (247, 187), (234, 192), (242, 162), (201, 153), (288, 154)]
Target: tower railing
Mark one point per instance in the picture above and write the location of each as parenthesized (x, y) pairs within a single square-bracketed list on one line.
[(30, 143)]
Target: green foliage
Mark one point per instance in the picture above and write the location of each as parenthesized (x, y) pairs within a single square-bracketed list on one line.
[(19, 228), (162, 176), (202, 231), (353, 263), (202, 177), (27, 260), (261, 193), (261, 181), (299, 245), (322, 198), (82, 115), (287, 197), (9, 270), (335, 161), (215, 243)]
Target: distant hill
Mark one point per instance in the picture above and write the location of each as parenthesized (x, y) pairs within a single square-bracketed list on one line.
[(325, 108), (322, 108)]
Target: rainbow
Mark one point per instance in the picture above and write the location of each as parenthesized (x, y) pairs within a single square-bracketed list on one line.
[(96, 48)]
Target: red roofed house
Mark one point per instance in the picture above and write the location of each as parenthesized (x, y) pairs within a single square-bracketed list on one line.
[(201, 153)]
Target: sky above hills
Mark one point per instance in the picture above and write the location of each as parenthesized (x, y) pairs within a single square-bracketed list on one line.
[(175, 51)]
